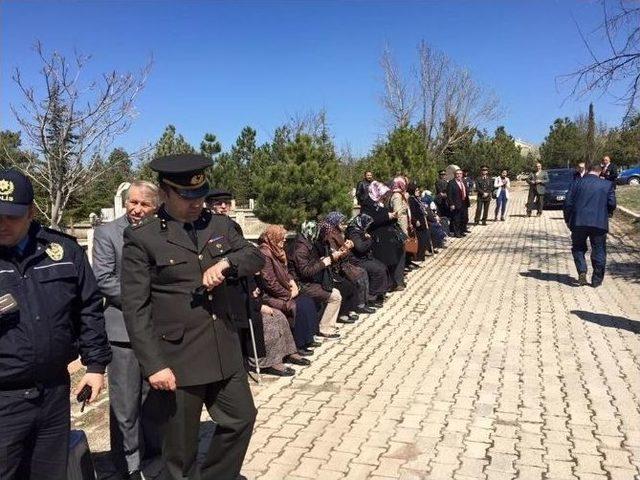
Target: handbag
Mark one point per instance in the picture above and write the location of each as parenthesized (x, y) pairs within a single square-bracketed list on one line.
[(411, 245)]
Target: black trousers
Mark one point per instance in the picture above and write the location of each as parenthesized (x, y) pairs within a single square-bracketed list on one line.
[(230, 405), (459, 220), (598, 240), (482, 209), (34, 433)]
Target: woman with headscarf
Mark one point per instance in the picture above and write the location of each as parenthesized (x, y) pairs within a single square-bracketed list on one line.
[(281, 293), (331, 239), (311, 273), (388, 238), (398, 203), (419, 222), (362, 256)]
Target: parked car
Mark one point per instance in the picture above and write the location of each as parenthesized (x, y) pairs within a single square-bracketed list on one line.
[(560, 179), (630, 176)]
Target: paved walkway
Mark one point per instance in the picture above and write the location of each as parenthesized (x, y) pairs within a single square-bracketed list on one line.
[(493, 364)]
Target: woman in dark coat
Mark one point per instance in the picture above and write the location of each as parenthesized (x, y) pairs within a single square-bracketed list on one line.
[(418, 222), (281, 292), (362, 256), (388, 239), (331, 239)]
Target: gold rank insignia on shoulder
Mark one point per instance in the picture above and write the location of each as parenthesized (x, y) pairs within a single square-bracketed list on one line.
[(55, 252), (6, 189)]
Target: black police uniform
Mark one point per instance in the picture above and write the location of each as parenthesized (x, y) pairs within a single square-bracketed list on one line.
[(174, 323), (58, 316), (484, 187)]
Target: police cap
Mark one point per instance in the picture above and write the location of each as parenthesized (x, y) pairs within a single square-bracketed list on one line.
[(183, 172), (16, 193), (217, 195)]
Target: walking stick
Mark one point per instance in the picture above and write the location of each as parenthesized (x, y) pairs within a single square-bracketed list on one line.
[(255, 351)]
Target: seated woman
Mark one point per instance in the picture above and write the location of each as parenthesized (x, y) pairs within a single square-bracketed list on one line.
[(388, 239), (419, 222), (281, 292), (362, 256), (331, 239)]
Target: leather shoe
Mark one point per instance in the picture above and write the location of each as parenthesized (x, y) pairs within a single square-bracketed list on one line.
[(297, 361), (305, 352), (353, 316), (287, 372), (366, 310), (345, 319), (328, 335), (582, 279), (314, 344)]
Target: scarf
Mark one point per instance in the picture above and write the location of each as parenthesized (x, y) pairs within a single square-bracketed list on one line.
[(309, 230), (271, 238)]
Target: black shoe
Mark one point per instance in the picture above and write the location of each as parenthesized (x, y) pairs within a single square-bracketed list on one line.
[(314, 344), (463, 234), (458, 235), (287, 372), (582, 279), (596, 281), (502, 219), (327, 335), (484, 224), (528, 214), (353, 316), (136, 475), (399, 288), (538, 214), (297, 361), (365, 310), (377, 304), (305, 352), (345, 319)]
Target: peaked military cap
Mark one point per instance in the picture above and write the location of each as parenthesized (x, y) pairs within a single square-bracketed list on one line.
[(183, 172), (217, 195)]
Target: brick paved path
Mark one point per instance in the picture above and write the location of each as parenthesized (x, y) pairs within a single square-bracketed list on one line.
[(492, 364)]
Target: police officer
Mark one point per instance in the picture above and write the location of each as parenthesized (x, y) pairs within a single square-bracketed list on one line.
[(484, 187), (175, 307), (50, 310)]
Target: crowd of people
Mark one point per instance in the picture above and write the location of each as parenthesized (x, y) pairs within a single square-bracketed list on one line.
[(191, 305)]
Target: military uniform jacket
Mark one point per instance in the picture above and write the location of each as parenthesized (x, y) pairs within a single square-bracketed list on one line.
[(172, 322), (484, 187), (58, 314)]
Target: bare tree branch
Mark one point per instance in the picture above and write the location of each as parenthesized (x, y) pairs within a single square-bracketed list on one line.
[(69, 124), (398, 99)]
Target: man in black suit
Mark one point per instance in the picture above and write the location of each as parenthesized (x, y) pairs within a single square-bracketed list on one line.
[(458, 199), (362, 190), (128, 390), (589, 204), (609, 170), (441, 194)]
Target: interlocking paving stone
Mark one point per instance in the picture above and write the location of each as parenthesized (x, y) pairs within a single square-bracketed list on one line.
[(492, 364)]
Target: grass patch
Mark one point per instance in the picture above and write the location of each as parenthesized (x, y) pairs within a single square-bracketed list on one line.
[(628, 196)]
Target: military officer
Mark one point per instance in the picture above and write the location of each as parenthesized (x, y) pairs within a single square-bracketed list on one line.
[(219, 201), (441, 194), (484, 187), (50, 311), (176, 310)]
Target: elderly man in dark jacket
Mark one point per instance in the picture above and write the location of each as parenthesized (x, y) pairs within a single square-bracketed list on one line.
[(587, 208)]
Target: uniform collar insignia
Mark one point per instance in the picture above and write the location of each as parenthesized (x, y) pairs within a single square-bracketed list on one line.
[(55, 251)]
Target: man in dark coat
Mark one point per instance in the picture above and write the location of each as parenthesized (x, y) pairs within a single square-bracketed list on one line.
[(484, 187), (458, 200), (362, 190), (177, 311), (441, 194), (609, 170), (587, 208), (50, 311)]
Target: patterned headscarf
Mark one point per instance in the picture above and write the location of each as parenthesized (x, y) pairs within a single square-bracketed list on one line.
[(360, 222), (331, 222), (309, 230), (271, 238), (377, 190), (399, 184)]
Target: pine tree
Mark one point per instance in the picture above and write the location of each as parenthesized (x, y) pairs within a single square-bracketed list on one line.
[(590, 147)]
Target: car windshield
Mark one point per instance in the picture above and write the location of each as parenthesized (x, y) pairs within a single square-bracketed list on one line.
[(560, 176)]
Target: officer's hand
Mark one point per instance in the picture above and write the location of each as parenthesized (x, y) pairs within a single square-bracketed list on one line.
[(214, 276), (95, 381), (163, 380)]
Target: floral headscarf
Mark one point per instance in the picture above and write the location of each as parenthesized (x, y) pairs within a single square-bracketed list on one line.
[(360, 222), (331, 222), (377, 190), (271, 238), (399, 184), (309, 230)]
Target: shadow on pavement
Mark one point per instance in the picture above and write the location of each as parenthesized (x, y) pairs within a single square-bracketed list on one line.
[(629, 271), (563, 278), (609, 320)]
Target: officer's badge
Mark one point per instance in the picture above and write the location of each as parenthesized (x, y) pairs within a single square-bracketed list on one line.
[(6, 189), (55, 252), (197, 179)]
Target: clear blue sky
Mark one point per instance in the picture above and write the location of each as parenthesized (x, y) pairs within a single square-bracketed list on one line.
[(222, 65)]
